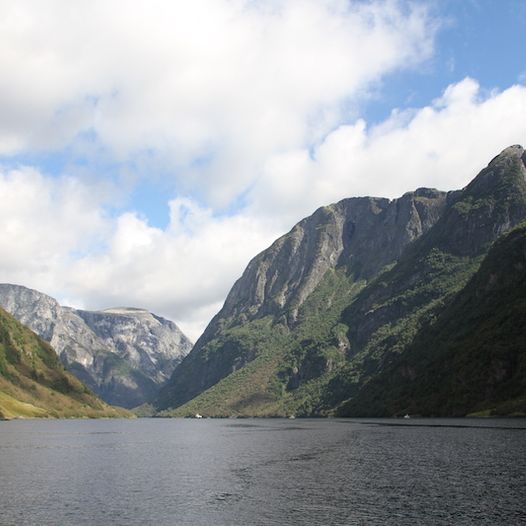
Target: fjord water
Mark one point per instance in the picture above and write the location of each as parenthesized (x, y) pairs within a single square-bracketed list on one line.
[(308, 472)]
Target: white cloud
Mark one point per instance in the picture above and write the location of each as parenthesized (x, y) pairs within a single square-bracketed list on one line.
[(46, 223), (209, 86), (182, 272), (442, 145), (57, 239)]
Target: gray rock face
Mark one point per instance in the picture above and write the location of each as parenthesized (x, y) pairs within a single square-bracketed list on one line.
[(149, 342), (124, 355), (363, 234)]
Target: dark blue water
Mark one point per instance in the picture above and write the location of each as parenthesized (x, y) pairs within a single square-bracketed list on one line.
[(308, 472)]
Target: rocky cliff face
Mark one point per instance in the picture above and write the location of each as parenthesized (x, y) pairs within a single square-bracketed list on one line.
[(442, 261), (321, 311), (361, 234), (124, 355)]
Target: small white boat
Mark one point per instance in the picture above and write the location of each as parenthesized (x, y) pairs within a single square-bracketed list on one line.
[(407, 416), (197, 415)]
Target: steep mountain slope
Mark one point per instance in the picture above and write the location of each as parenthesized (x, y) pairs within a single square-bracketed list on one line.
[(33, 382), (472, 358), (124, 355), (329, 256), (318, 313)]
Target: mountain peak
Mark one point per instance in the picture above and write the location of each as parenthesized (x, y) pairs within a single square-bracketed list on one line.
[(123, 354), (504, 177), (515, 150), (126, 311)]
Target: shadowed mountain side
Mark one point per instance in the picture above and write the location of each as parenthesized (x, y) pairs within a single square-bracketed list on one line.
[(472, 358), (388, 313)]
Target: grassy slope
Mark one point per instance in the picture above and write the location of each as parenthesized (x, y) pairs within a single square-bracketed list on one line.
[(402, 301), (263, 387), (313, 367), (33, 382)]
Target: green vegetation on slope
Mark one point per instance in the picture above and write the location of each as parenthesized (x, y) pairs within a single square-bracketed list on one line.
[(33, 382), (472, 358), (388, 314), (288, 368)]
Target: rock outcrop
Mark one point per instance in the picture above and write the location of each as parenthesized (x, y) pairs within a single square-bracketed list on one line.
[(361, 234)]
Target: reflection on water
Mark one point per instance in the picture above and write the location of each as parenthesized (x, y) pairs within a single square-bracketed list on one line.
[(213, 472)]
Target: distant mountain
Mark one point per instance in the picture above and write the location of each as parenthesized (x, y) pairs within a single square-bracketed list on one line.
[(124, 355), (33, 382), (330, 305)]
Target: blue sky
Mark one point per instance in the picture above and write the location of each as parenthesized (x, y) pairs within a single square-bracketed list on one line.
[(482, 39), (147, 155)]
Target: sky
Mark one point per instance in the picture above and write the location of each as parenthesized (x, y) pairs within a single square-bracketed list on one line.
[(149, 149)]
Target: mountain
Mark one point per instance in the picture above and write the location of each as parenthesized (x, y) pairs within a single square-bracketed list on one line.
[(124, 355), (268, 298), (390, 312), (33, 382), (326, 308)]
